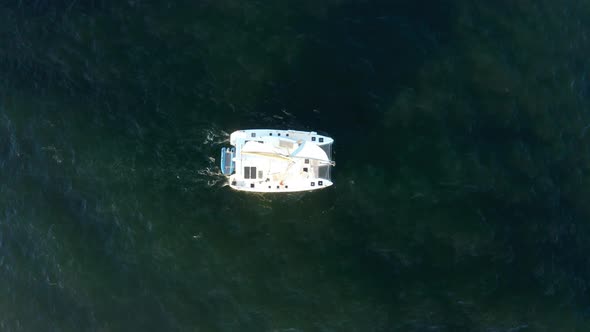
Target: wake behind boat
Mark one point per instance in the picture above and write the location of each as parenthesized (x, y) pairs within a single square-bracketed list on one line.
[(268, 160)]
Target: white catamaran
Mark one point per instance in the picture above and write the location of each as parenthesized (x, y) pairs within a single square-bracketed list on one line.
[(269, 160)]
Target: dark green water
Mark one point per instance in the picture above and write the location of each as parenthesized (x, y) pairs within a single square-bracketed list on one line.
[(461, 192)]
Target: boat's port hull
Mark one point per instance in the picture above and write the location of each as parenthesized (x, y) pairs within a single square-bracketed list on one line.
[(276, 187)]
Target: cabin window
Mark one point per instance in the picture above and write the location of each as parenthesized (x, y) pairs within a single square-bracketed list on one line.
[(320, 183), (251, 185), (321, 139), (260, 174), (307, 161), (313, 138), (313, 184), (253, 134), (246, 172), (305, 169)]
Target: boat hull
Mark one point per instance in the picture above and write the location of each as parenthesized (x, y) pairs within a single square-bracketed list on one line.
[(278, 161)]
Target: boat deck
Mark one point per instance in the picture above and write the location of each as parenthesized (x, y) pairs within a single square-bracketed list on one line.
[(278, 161)]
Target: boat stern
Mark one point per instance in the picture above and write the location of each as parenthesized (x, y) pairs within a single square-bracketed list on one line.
[(227, 160)]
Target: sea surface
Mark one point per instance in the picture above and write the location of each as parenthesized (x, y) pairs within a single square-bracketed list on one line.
[(462, 187)]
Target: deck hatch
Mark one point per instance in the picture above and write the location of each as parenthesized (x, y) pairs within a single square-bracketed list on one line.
[(250, 172)]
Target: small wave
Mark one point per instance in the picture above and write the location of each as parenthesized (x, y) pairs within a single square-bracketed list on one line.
[(215, 136), (211, 177)]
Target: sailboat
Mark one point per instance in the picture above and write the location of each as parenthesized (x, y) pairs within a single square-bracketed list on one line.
[(270, 160)]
